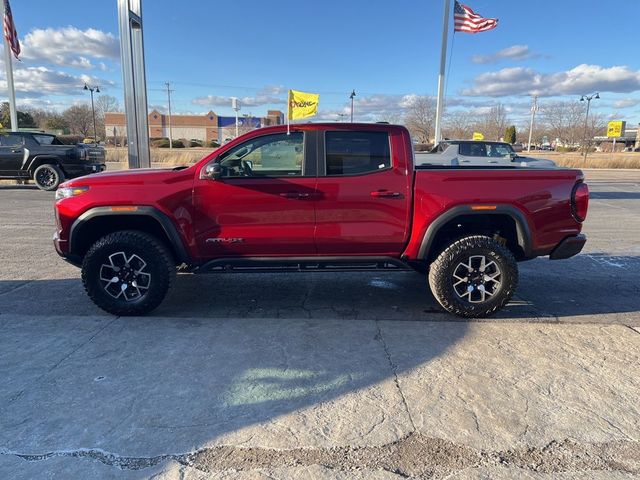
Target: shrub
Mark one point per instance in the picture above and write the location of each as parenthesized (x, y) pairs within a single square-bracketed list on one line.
[(212, 144), (71, 139), (161, 142)]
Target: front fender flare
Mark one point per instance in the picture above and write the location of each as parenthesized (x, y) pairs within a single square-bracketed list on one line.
[(142, 211)]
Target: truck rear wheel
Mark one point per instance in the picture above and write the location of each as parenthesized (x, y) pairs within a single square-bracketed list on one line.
[(48, 177), (128, 273), (474, 277)]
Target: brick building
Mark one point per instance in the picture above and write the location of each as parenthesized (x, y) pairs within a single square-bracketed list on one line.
[(205, 127)]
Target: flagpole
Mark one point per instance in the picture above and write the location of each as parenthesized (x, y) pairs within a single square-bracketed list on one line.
[(11, 93), (443, 64), (289, 113)]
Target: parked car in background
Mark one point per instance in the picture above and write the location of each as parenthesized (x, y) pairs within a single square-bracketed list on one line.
[(474, 153), (43, 158)]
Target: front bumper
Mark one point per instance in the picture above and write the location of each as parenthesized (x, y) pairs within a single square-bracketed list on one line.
[(568, 247), (61, 248)]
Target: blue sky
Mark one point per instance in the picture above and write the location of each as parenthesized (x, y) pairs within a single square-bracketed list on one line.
[(386, 51)]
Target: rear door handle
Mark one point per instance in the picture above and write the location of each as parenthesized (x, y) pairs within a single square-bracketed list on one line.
[(385, 194), (16, 151)]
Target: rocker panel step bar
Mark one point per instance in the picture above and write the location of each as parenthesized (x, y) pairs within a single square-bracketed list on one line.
[(302, 264)]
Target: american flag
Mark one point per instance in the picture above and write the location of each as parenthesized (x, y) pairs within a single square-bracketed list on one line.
[(10, 30), (466, 20)]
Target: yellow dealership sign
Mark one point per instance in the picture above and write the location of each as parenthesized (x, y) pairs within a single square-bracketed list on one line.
[(616, 129), (302, 104), (478, 136)]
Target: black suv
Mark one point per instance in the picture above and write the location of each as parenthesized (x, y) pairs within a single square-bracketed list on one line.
[(43, 158)]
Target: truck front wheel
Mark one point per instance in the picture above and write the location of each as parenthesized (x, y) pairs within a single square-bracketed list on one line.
[(128, 272), (474, 277)]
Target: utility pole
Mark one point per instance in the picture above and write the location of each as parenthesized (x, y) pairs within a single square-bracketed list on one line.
[(169, 99), (534, 109), (352, 96), (588, 98)]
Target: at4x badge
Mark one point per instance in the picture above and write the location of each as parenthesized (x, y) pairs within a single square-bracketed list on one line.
[(225, 240)]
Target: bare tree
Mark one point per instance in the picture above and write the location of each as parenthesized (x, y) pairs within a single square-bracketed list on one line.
[(457, 125), (420, 118), (40, 115), (106, 103), (80, 119), (395, 118), (564, 121), (493, 123)]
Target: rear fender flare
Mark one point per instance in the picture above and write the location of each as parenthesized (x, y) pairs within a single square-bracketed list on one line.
[(43, 160), (523, 230)]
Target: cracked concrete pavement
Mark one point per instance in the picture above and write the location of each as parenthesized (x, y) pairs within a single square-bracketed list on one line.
[(323, 376)]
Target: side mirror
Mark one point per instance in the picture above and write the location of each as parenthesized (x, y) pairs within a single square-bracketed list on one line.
[(513, 156), (213, 171)]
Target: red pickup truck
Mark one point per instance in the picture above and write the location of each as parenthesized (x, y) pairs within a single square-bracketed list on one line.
[(326, 197)]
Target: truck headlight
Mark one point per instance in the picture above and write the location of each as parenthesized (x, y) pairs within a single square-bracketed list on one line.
[(67, 192)]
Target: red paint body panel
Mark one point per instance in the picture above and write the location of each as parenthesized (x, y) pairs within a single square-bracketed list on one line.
[(341, 215)]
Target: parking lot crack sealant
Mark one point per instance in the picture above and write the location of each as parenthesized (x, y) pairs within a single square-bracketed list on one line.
[(394, 368)]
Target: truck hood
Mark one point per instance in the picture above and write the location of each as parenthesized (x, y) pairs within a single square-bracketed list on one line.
[(134, 177)]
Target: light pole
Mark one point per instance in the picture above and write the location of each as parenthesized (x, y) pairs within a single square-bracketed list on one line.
[(534, 109), (93, 110), (352, 96), (235, 104), (588, 98)]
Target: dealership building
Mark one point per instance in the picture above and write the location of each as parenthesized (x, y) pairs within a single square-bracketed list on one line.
[(206, 127)]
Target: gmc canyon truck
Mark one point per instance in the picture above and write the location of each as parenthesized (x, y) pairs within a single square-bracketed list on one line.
[(327, 198), (43, 158)]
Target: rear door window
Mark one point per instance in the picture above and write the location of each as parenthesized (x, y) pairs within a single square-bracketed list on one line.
[(473, 149), (355, 153)]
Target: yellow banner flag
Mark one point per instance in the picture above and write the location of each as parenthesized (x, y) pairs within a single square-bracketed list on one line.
[(302, 104)]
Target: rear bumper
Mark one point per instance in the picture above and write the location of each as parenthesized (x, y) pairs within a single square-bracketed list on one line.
[(79, 170), (568, 247)]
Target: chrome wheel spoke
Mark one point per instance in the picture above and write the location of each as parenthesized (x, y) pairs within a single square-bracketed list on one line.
[(476, 279), (125, 277)]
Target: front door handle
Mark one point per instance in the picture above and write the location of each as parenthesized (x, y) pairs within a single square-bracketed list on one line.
[(298, 195), (18, 150), (385, 194)]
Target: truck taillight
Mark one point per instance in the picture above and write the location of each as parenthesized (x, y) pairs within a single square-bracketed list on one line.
[(580, 201)]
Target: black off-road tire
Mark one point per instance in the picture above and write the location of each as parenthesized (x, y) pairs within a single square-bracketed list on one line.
[(135, 245), (47, 177), (441, 276)]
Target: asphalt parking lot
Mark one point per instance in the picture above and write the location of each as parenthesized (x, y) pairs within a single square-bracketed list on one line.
[(313, 375)]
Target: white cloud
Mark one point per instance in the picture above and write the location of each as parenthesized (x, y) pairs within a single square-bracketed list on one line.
[(70, 47), (577, 81), (514, 52), (42, 81), (626, 103), (269, 95)]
